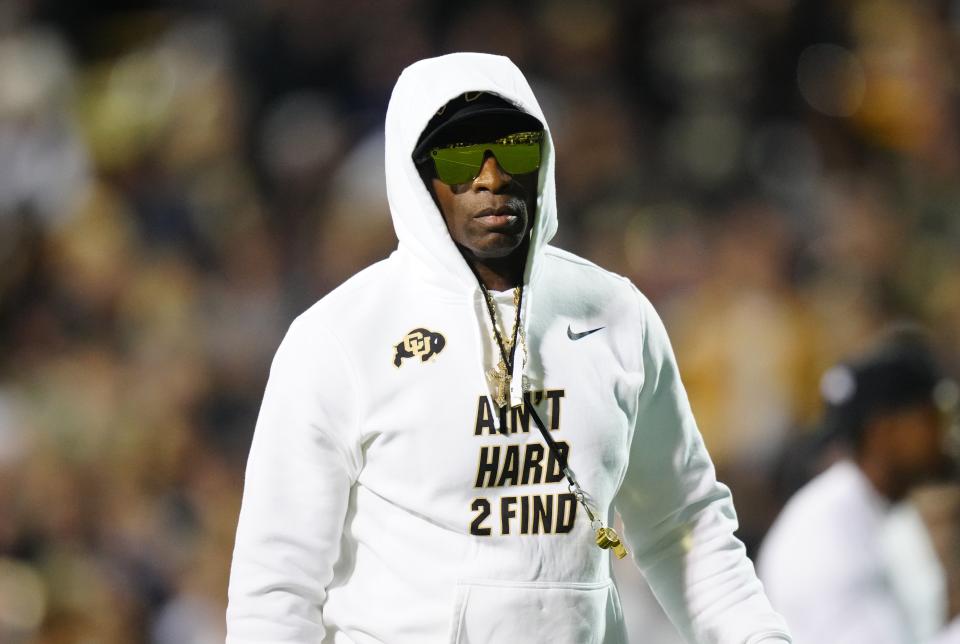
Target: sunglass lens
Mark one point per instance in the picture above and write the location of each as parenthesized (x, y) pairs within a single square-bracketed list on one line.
[(457, 165), (518, 158)]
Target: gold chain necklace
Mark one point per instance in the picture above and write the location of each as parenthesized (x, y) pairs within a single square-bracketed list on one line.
[(500, 375)]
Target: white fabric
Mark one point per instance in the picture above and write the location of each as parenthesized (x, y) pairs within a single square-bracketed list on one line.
[(915, 571), (824, 565), (361, 490)]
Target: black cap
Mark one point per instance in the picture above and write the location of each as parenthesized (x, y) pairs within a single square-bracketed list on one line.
[(902, 372), (473, 117)]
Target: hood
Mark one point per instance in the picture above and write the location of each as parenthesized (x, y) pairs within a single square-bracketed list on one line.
[(422, 89)]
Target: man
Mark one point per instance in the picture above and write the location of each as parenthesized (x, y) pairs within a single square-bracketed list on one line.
[(444, 438), (825, 562)]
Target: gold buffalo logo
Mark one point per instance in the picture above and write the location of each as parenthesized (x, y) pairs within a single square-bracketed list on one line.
[(421, 343)]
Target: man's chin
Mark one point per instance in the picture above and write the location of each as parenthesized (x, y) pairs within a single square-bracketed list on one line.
[(502, 246)]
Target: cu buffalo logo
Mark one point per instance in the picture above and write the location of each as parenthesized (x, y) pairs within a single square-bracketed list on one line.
[(419, 343)]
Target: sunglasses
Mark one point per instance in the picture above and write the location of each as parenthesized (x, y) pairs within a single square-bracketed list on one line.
[(517, 153)]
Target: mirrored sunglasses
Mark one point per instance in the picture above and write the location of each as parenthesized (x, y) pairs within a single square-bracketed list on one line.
[(517, 153)]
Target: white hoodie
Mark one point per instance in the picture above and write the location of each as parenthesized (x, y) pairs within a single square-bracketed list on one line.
[(382, 505)]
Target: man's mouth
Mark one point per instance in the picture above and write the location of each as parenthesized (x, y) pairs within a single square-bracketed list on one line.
[(501, 217)]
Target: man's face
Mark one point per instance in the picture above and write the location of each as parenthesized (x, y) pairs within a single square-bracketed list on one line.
[(490, 216), (915, 445)]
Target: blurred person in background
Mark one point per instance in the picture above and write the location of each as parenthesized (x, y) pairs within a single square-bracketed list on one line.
[(367, 514), (839, 563)]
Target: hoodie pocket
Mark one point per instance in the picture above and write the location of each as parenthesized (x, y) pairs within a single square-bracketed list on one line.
[(488, 612)]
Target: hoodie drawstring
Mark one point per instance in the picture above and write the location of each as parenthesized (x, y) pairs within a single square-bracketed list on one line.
[(482, 358)]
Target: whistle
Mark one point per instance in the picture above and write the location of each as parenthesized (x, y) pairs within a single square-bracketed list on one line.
[(607, 538)]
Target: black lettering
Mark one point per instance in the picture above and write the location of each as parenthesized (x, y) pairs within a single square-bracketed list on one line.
[(542, 514), (484, 417), (520, 416), (554, 471), (487, 467), (483, 507), (524, 515), (511, 466), (566, 512), (554, 396), (532, 459), (507, 512), (503, 420)]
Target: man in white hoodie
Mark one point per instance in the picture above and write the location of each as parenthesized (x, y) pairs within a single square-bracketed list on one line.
[(826, 561), (445, 438)]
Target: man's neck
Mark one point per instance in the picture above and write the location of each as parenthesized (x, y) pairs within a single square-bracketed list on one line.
[(880, 477), (498, 273), (495, 279)]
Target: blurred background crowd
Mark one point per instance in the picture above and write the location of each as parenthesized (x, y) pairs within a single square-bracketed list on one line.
[(178, 180)]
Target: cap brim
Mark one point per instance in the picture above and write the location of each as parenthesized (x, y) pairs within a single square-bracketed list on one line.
[(484, 123)]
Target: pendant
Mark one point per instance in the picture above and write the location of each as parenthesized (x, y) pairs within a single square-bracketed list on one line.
[(500, 378)]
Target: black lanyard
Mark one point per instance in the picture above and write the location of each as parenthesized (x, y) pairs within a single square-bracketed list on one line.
[(558, 454), (606, 538)]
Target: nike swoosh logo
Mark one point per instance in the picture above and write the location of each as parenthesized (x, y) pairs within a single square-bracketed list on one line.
[(582, 334)]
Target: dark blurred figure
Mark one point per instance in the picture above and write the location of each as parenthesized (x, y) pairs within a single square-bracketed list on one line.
[(826, 562)]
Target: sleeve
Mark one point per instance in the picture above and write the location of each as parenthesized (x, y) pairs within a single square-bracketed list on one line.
[(679, 521), (950, 633), (820, 566), (838, 611), (303, 461), (870, 616)]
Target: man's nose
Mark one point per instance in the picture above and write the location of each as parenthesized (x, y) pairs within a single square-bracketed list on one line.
[(491, 177)]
